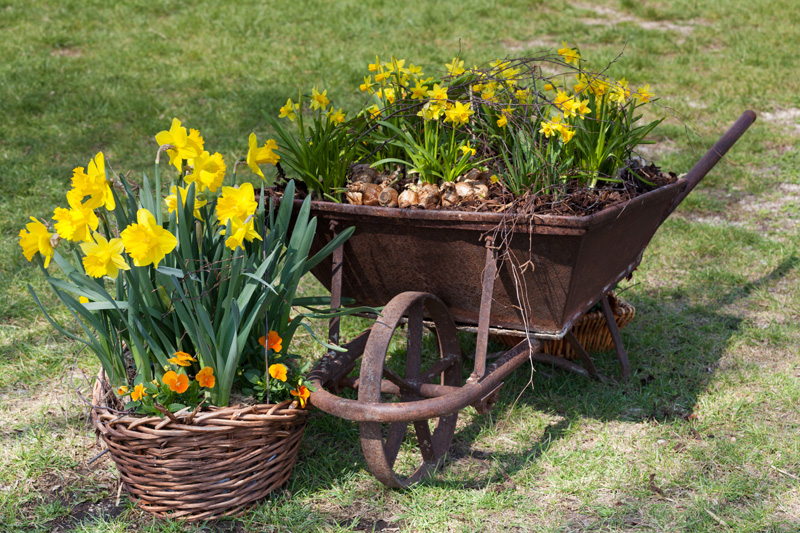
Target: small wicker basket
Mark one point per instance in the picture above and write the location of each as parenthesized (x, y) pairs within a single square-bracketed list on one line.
[(590, 330), (205, 466)]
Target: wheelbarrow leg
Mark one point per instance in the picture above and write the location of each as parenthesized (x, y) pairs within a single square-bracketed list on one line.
[(588, 364), (622, 355)]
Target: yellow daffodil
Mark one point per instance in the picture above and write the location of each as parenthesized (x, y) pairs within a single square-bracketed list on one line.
[(381, 77), (208, 171), (146, 241), (176, 382), (566, 133), (187, 146), (258, 156), (414, 70), (77, 223), (302, 394), (431, 110), (502, 122), (583, 108), (337, 117), (236, 202), (455, 67), (522, 95), (620, 93), (376, 66), (92, 183), (367, 85), (570, 107), (289, 110), (240, 232), (36, 239), (570, 55), (278, 371), (419, 91), (459, 113), (643, 94), (467, 149), (319, 100), (205, 378), (138, 392), (271, 342), (103, 257), (83, 299), (438, 94), (389, 94), (550, 127), (182, 359), (172, 201), (374, 111)]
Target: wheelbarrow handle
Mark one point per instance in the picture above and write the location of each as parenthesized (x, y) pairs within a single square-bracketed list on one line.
[(712, 157)]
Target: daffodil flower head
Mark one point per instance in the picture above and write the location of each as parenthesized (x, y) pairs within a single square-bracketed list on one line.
[(319, 100), (146, 241), (459, 113), (289, 110), (337, 117), (438, 93), (172, 201), (208, 171), (35, 238), (643, 94), (186, 146), (77, 223), (374, 111), (455, 67), (570, 55), (241, 231), (103, 257), (92, 183), (263, 155), (236, 202), (467, 149)]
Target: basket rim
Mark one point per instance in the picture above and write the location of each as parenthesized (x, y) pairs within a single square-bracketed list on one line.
[(206, 419)]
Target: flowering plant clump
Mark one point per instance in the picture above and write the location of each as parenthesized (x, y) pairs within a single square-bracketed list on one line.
[(505, 125), (186, 297)]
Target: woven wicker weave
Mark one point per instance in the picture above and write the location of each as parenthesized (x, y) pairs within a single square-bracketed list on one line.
[(590, 330), (211, 466)]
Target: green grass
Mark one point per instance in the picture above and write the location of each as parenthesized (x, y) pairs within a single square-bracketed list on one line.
[(711, 410)]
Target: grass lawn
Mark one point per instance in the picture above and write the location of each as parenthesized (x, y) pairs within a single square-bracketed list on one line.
[(705, 436)]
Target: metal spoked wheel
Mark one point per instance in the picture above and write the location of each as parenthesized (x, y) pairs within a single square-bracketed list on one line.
[(381, 442)]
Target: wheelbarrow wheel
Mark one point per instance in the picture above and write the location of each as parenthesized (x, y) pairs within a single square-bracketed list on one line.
[(381, 443)]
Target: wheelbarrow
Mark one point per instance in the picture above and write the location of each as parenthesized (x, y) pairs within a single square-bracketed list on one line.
[(537, 276)]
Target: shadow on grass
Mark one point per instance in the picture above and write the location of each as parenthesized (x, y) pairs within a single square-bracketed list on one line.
[(674, 347)]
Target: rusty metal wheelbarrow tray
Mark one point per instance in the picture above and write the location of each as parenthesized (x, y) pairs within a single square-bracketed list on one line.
[(556, 267)]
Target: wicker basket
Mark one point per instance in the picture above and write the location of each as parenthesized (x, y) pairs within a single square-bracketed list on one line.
[(209, 466), (590, 330)]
